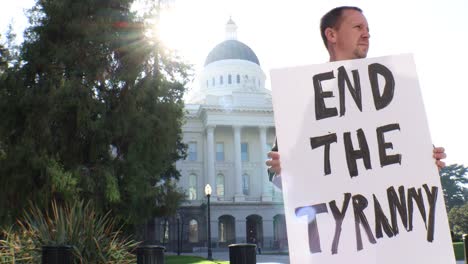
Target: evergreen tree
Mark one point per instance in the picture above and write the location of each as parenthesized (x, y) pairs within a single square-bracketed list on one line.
[(454, 178), (3, 57), (93, 110)]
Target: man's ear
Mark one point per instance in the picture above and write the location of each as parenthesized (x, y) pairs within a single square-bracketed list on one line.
[(330, 33)]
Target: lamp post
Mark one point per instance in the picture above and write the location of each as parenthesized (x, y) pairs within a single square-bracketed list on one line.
[(208, 194), (178, 234)]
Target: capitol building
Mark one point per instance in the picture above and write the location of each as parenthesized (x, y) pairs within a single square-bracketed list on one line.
[(229, 129)]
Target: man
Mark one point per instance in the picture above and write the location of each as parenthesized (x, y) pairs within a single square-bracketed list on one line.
[(345, 33)]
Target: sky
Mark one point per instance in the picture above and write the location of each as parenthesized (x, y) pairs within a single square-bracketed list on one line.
[(286, 33)]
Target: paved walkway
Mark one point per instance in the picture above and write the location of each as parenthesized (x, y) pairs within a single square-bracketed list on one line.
[(261, 259), (224, 255)]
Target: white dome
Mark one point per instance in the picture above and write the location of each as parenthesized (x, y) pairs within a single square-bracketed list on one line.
[(232, 76)]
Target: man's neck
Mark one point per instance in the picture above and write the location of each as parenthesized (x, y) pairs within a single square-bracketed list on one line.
[(339, 58)]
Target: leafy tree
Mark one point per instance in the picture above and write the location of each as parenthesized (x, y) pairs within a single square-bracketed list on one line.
[(458, 218), (9, 50), (3, 57), (453, 178), (93, 111)]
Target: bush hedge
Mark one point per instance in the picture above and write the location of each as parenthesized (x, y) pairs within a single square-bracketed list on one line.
[(459, 250)]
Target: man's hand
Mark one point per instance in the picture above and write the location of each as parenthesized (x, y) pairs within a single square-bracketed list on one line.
[(274, 162), (438, 154)]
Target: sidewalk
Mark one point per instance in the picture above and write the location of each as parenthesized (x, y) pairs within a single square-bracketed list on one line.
[(224, 255), (261, 259)]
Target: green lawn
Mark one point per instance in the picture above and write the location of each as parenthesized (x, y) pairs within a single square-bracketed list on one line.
[(191, 259)]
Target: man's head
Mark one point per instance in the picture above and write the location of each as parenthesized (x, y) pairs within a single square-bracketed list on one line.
[(345, 33)]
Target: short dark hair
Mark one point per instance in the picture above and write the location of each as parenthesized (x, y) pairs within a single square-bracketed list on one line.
[(332, 19)]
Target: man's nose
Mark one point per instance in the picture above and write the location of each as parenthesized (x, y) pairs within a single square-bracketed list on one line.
[(366, 34)]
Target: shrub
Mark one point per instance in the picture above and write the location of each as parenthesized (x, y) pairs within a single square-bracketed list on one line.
[(93, 237), (458, 218), (459, 250), (17, 247)]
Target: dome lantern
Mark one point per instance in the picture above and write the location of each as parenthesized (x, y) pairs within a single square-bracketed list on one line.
[(231, 48), (231, 30)]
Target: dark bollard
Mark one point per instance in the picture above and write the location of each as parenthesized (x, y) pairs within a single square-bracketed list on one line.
[(242, 254), (57, 255), (150, 254), (465, 243)]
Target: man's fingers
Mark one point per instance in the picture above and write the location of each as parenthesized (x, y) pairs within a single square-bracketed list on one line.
[(276, 169), (439, 156), (439, 150), (439, 153), (273, 155), (272, 163), (440, 164)]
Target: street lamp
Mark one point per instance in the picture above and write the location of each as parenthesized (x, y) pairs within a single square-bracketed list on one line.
[(178, 233), (208, 194)]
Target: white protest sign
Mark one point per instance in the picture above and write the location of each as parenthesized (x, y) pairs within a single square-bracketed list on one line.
[(359, 181)]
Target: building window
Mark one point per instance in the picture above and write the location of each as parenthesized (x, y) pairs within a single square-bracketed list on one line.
[(220, 79), (238, 78), (229, 79), (226, 229), (213, 81), (244, 151), (222, 232), (207, 83), (220, 185), (259, 83), (193, 231), (192, 190), (245, 183), (219, 151), (192, 151), (279, 230), (164, 231)]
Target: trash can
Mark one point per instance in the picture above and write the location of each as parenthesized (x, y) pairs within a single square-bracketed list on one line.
[(57, 255), (242, 254), (150, 254)]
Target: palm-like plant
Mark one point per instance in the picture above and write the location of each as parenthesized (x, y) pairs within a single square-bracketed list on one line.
[(17, 247), (93, 237)]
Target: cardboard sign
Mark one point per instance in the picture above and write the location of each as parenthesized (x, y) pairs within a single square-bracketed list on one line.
[(359, 181)]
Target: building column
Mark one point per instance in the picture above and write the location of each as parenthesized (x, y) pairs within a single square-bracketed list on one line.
[(239, 195), (210, 161), (241, 230), (265, 182), (214, 227), (268, 233)]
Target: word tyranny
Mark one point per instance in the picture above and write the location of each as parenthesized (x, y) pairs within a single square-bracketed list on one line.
[(401, 203)]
